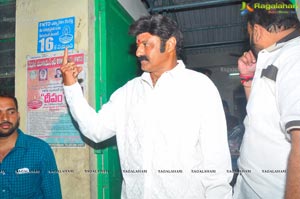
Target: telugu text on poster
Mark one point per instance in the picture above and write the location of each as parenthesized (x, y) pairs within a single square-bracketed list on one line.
[(47, 114)]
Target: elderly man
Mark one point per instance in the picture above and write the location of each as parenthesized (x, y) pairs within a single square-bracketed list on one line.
[(169, 122)]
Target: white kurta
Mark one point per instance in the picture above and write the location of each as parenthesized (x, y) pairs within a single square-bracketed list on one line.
[(273, 108), (171, 138)]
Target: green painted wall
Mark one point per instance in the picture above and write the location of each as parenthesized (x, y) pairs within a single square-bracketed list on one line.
[(114, 66)]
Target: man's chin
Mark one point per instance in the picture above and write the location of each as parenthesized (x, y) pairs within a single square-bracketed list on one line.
[(6, 134), (144, 68)]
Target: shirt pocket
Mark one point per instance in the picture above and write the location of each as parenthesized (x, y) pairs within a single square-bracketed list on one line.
[(25, 185)]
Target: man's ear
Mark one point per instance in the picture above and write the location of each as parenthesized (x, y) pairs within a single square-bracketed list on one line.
[(171, 44), (258, 32)]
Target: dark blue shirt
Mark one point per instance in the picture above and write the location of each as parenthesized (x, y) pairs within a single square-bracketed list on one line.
[(29, 171)]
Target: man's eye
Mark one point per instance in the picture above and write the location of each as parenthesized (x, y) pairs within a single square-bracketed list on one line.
[(11, 112), (145, 44)]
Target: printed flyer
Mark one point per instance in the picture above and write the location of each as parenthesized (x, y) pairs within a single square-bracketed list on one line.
[(47, 113)]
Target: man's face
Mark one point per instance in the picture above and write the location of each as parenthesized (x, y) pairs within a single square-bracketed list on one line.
[(58, 72), (9, 117), (149, 53)]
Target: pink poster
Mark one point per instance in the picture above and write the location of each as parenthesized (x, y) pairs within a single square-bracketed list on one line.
[(47, 114)]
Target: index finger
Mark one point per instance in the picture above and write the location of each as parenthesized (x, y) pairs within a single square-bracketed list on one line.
[(65, 57)]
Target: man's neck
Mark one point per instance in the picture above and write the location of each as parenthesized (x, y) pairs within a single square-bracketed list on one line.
[(167, 67), (275, 37)]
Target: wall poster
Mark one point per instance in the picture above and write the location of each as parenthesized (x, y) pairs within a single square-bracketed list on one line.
[(47, 114), (56, 35)]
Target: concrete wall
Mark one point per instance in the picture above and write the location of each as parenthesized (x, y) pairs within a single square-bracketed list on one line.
[(28, 14)]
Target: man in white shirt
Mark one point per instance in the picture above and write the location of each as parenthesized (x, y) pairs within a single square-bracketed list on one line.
[(270, 74), (169, 122)]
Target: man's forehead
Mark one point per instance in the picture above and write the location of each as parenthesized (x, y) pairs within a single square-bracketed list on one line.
[(6, 103), (143, 37)]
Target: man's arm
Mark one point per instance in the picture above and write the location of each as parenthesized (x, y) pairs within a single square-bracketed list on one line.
[(246, 67), (247, 88), (214, 144), (293, 175), (95, 126)]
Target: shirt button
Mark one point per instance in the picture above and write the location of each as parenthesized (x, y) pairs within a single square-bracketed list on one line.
[(3, 190)]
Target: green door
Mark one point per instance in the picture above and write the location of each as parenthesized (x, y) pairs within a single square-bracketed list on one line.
[(114, 66)]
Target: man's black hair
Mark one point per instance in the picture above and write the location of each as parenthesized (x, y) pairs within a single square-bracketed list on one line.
[(11, 97), (273, 15), (161, 26)]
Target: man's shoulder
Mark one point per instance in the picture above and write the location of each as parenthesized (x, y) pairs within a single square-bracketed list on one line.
[(195, 73), (34, 141), (293, 44), (288, 52), (195, 76), (127, 87), (133, 82)]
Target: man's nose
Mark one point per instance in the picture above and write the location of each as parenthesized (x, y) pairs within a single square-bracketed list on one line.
[(139, 51), (3, 117)]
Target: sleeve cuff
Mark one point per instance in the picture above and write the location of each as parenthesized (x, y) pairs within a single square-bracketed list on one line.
[(292, 125), (73, 92)]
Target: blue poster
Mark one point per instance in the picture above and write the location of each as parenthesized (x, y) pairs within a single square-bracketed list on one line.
[(55, 35)]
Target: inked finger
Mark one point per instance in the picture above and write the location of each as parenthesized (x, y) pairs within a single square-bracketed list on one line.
[(65, 57)]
